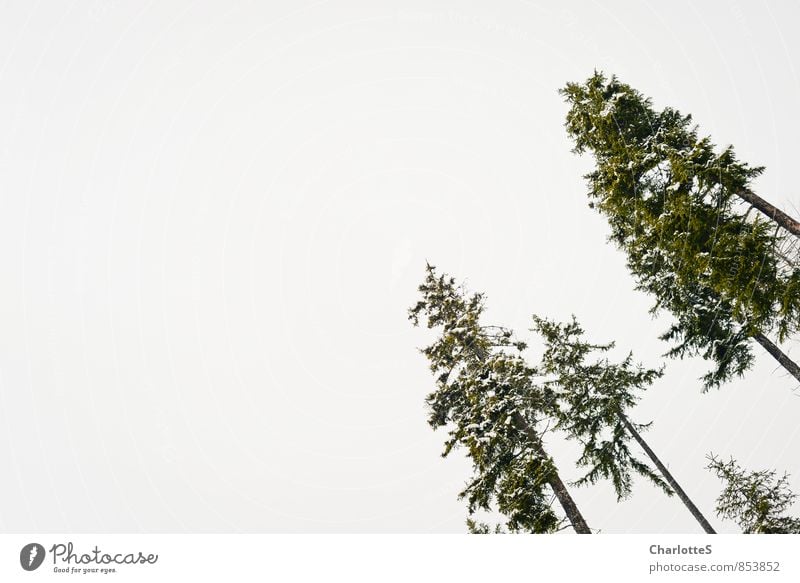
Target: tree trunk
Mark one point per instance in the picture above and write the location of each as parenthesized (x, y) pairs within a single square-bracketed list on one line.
[(771, 211), (779, 355), (554, 481), (698, 516)]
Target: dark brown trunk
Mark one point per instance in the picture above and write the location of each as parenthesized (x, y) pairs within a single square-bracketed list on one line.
[(772, 212), (698, 516), (554, 481), (779, 355)]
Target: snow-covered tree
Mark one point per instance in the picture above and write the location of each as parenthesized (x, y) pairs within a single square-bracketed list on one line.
[(676, 206), (487, 399), (498, 408)]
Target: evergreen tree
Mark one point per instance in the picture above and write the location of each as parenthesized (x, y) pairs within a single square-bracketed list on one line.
[(486, 396), (672, 203), (594, 398), (757, 501), (498, 408)]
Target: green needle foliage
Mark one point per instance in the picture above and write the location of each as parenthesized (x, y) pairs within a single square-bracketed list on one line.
[(757, 500), (484, 394), (673, 204), (704, 325), (497, 408), (594, 397)]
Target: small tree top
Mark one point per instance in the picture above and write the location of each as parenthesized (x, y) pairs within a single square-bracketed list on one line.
[(756, 500)]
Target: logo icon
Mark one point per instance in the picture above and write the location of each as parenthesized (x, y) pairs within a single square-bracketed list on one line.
[(31, 556)]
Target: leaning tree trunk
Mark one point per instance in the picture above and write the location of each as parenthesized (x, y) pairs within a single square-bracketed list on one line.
[(554, 480), (771, 211), (698, 516), (779, 355)]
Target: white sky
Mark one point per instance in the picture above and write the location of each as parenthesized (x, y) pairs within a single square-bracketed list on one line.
[(213, 217)]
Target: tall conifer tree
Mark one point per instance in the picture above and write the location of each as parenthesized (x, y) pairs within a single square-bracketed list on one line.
[(594, 398), (485, 395), (673, 204)]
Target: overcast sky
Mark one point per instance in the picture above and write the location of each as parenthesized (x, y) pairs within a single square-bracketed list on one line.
[(214, 215)]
